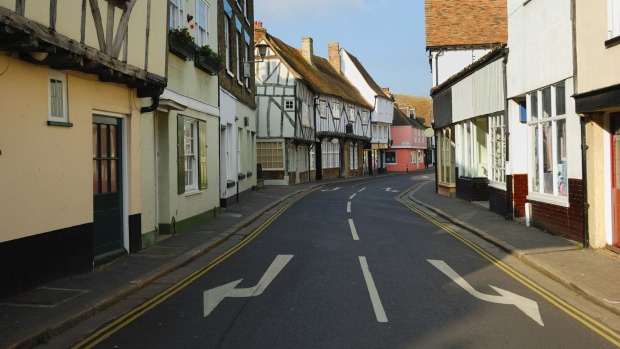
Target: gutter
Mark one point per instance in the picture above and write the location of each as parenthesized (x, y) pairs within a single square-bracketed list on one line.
[(152, 107)]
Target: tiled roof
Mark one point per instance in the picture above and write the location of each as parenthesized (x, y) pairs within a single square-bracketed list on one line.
[(320, 76), (422, 105), (465, 22), (371, 82)]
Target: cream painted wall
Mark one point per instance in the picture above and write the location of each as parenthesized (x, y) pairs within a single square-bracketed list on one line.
[(597, 65), (148, 180), (185, 79), (598, 212), (46, 171), (185, 205)]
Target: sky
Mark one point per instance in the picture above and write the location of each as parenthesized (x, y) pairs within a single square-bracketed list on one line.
[(387, 36)]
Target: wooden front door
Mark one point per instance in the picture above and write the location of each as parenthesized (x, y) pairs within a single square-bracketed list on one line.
[(615, 178), (107, 187)]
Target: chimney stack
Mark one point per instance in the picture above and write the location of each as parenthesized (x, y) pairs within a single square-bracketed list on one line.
[(333, 51), (306, 49)]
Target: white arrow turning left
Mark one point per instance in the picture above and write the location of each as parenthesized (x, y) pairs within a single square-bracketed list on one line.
[(213, 297), (528, 306)]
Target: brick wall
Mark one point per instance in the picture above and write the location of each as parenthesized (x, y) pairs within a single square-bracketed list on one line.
[(563, 221), (472, 189), (273, 175), (229, 83), (519, 193), (497, 201), (292, 176), (331, 173), (465, 22), (303, 177)]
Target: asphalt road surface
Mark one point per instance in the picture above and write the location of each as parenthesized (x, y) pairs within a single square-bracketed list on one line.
[(351, 266)]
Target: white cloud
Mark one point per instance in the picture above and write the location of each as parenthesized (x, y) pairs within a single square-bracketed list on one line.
[(304, 10)]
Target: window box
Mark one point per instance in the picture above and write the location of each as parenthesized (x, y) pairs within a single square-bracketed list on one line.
[(240, 175), (208, 61), (181, 43)]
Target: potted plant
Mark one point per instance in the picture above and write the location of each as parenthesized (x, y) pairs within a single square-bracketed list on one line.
[(208, 60), (181, 43)]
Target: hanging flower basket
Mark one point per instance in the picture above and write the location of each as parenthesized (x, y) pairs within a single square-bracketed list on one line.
[(181, 43), (208, 61)]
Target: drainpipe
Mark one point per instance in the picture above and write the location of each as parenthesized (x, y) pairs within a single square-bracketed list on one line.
[(584, 178), (509, 201), (152, 107)]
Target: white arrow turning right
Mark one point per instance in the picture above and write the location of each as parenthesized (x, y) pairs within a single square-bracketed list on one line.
[(213, 297), (528, 306)]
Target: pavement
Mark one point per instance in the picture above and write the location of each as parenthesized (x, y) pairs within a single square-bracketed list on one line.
[(35, 316)]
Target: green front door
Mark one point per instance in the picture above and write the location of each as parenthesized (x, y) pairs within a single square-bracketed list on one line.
[(107, 187)]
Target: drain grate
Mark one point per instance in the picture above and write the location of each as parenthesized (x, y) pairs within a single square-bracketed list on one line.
[(44, 297)]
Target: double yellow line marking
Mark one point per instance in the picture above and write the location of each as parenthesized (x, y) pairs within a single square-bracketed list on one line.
[(589, 322), (105, 332)]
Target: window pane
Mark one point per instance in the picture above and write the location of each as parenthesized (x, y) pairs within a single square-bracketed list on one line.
[(96, 182), (536, 160), (534, 105), (105, 179), (113, 176), (113, 144), (103, 141), (560, 102), (562, 180), (546, 100), (547, 157), (95, 142)]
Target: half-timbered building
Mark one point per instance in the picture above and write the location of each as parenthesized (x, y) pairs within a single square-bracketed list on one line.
[(312, 123), (75, 77), (381, 115)]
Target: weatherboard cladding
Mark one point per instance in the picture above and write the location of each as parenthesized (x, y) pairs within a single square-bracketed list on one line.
[(371, 82), (320, 76), (465, 22)]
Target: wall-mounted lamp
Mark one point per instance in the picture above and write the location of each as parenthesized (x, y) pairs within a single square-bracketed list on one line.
[(262, 52)]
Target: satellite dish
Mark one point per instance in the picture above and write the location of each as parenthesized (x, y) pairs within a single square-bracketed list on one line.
[(429, 132)]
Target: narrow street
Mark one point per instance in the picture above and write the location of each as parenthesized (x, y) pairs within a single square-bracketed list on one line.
[(350, 265)]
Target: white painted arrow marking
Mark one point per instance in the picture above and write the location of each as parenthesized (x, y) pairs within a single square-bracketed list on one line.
[(213, 297), (333, 189), (528, 306)]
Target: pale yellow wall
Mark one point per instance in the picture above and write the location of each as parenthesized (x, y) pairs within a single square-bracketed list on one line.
[(10, 4), (46, 171), (597, 191), (597, 65), (185, 206), (147, 125), (38, 12), (189, 81)]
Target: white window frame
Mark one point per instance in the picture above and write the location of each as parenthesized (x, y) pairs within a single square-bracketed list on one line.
[(353, 156), (351, 114), (395, 157), (289, 104), (613, 18), (336, 110), (497, 146), (227, 42), (190, 148), (537, 171), (365, 117), (57, 105), (177, 9), (330, 155), (238, 58), (269, 153), (203, 27), (323, 109)]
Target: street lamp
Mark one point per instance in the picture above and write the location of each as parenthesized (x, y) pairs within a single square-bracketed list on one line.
[(262, 51)]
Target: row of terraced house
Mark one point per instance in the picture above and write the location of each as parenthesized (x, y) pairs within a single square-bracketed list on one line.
[(526, 109), (127, 120)]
